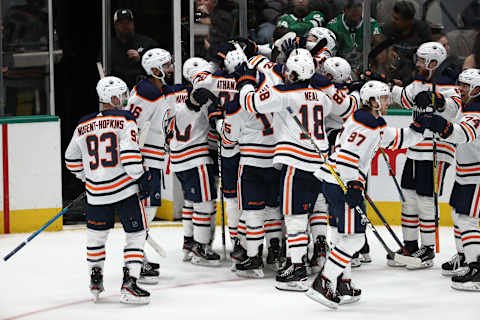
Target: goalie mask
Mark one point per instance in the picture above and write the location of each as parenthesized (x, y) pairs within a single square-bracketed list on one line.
[(337, 70), (299, 66), (159, 59), (378, 91), (315, 35), (470, 77), (112, 90), (194, 66)]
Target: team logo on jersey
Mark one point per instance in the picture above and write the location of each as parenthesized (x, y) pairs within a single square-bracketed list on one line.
[(157, 195), (134, 224)]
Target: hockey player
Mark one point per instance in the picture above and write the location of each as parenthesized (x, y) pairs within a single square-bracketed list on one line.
[(465, 265), (104, 153), (338, 70), (192, 164), (258, 184), (417, 177), (147, 104), (362, 134), (223, 86), (298, 188)]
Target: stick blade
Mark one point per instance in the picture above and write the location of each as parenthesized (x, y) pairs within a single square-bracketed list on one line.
[(409, 261)]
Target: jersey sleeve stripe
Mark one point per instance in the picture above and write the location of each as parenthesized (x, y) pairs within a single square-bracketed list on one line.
[(341, 156), (470, 133), (405, 102)]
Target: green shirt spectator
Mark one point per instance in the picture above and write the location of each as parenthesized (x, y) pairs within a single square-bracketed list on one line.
[(301, 20), (348, 28)]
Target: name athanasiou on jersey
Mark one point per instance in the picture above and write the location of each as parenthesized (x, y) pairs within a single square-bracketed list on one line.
[(254, 132), (147, 103), (189, 146), (406, 96), (358, 144), (466, 132), (224, 87), (311, 106), (104, 153)]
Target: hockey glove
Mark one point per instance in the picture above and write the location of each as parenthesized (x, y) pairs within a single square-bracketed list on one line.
[(355, 85), (288, 45), (354, 195), (191, 106), (249, 46), (423, 100), (420, 123), (439, 125), (144, 185), (215, 113), (221, 52), (245, 75)]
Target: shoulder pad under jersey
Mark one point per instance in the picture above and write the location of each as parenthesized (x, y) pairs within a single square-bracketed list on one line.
[(122, 113), (146, 89), (472, 107), (320, 82), (367, 119), (291, 87)]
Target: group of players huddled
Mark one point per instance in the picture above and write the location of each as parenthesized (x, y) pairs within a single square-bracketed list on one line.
[(279, 129)]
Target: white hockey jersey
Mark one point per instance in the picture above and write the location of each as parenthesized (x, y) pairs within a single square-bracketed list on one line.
[(466, 133), (104, 153), (147, 103), (344, 102), (189, 145), (311, 106), (224, 87), (254, 132), (406, 96), (359, 142)]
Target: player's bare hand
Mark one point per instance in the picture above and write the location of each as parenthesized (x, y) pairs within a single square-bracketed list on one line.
[(133, 54)]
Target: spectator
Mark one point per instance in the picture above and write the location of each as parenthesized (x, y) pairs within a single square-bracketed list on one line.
[(301, 19), (331, 8), (473, 60), (348, 28), (266, 13), (452, 63), (127, 46), (386, 61), (406, 34), (220, 22)]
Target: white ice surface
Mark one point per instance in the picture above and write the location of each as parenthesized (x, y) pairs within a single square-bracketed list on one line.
[(48, 279)]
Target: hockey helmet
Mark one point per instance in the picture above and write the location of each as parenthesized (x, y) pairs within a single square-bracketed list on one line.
[(431, 51), (194, 66), (110, 87), (322, 33), (376, 90), (299, 64), (156, 58), (472, 78), (338, 68), (234, 58)]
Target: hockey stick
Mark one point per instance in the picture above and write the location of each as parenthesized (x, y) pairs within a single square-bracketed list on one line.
[(395, 256), (435, 180), (101, 73), (222, 205), (392, 174), (141, 142), (36, 233)]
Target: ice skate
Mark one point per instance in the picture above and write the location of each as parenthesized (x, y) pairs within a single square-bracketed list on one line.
[(324, 292), (292, 277), (252, 267), (203, 255), (426, 254), (148, 275), (469, 281), (131, 293), (456, 266), (188, 244), (320, 249), (347, 291), (274, 256), (96, 283)]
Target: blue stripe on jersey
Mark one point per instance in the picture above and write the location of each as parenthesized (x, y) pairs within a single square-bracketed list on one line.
[(472, 107), (320, 82)]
